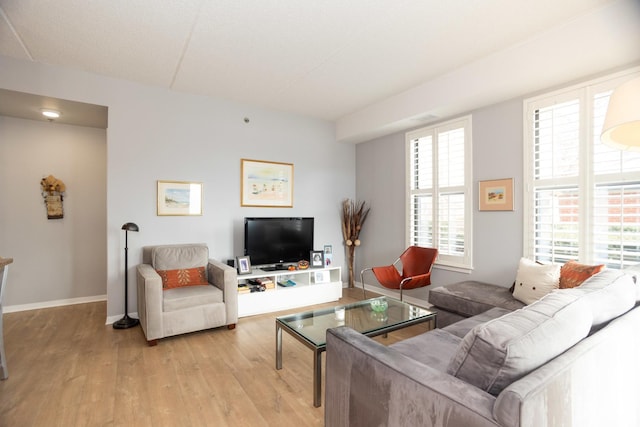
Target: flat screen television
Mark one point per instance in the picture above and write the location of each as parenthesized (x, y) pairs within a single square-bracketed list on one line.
[(273, 241)]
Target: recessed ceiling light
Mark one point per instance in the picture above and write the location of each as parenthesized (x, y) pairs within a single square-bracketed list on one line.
[(50, 114)]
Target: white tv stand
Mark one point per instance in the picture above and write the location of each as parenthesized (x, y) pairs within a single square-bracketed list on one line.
[(305, 292)]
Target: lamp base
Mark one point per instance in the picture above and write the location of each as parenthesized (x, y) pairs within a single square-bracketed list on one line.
[(126, 322)]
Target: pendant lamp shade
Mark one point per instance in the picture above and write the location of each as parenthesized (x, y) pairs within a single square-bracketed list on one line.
[(621, 127)]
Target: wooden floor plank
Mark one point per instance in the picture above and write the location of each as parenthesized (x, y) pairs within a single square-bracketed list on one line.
[(67, 368)]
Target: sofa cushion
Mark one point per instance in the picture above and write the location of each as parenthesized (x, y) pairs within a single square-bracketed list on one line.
[(610, 293), (573, 273), (434, 348), (173, 257), (183, 277), (493, 355), (462, 328), (470, 298), (634, 272), (533, 280), (190, 296)]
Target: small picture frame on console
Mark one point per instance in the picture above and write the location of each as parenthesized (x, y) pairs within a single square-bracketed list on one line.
[(321, 276), (243, 263), (316, 259)]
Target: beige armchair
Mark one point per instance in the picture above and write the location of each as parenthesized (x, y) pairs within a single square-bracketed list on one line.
[(181, 290)]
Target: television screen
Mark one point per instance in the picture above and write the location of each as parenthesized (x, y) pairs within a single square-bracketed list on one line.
[(272, 241)]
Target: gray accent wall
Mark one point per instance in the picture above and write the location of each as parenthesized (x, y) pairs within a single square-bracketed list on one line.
[(497, 236)]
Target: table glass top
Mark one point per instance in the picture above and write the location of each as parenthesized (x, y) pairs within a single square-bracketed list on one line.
[(367, 317)]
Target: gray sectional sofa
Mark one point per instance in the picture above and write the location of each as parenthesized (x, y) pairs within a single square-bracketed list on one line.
[(570, 359)]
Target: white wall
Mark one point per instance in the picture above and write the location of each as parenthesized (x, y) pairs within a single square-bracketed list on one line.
[(497, 236), (59, 259), (155, 134)]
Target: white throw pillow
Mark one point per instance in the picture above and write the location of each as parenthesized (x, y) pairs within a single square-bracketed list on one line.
[(534, 281)]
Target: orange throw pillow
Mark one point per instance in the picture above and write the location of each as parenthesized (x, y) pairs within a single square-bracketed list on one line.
[(572, 274), (183, 277)]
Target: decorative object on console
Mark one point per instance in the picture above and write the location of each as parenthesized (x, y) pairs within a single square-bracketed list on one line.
[(244, 264), (266, 184), (621, 128), (303, 264), (328, 255), (179, 198), (53, 190), (321, 276), (496, 195), (317, 259), (354, 214), (533, 280), (126, 321)]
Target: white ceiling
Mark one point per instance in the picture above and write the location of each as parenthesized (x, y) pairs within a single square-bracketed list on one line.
[(330, 59)]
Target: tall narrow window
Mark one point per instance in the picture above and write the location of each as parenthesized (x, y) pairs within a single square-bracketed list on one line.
[(583, 201), (439, 195)]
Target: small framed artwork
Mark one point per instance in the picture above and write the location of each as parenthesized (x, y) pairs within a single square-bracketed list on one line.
[(266, 184), (328, 255), (316, 259), (496, 195), (321, 276), (243, 263), (179, 198)]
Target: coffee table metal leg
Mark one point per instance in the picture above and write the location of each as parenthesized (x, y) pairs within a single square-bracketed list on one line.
[(278, 347), (317, 378)]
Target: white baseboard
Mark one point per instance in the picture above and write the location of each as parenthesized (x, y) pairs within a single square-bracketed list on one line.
[(55, 303)]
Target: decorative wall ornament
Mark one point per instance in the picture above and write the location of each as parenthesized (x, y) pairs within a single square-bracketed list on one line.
[(354, 215), (53, 190)]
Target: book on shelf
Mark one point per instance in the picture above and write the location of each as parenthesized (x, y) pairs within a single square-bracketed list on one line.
[(286, 283)]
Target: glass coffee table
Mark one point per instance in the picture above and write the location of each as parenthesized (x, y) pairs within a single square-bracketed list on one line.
[(371, 317)]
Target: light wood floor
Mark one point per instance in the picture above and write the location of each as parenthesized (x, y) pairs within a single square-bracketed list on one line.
[(67, 368)]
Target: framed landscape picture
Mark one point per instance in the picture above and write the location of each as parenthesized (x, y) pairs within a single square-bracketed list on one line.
[(179, 198), (266, 184), (496, 195)]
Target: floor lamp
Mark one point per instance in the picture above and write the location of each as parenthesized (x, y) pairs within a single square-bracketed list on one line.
[(126, 321)]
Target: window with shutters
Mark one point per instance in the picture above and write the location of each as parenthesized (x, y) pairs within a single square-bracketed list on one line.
[(439, 191), (582, 198)]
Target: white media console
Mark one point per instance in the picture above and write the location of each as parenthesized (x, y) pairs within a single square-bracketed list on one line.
[(312, 286)]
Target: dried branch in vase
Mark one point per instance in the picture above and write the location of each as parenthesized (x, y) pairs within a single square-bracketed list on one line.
[(354, 214)]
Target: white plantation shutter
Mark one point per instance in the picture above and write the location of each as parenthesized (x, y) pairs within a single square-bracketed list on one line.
[(556, 143), (584, 198), (439, 179)]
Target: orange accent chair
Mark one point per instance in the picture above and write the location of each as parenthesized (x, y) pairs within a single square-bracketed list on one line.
[(416, 263)]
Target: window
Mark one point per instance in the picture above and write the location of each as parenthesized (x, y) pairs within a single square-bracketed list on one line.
[(583, 198), (439, 191)]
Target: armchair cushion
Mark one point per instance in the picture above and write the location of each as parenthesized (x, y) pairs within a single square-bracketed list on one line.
[(183, 277), (176, 257), (192, 296)]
